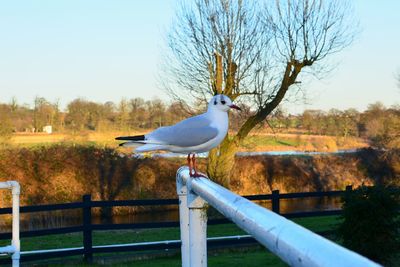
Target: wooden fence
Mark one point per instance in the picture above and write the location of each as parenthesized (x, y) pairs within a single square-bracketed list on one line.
[(87, 227)]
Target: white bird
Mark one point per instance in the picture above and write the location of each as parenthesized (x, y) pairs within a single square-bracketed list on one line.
[(197, 134)]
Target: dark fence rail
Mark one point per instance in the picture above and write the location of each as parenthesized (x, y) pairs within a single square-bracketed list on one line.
[(87, 227)]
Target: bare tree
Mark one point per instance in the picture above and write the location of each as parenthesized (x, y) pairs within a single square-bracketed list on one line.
[(250, 51), (138, 113), (44, 113), (6, 127), (123, 115)]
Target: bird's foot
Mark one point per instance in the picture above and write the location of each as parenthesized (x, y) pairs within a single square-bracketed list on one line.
[(198, 175)]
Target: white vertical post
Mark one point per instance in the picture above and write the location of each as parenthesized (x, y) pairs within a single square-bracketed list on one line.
[(184, 221), (197, 229), (15, 224), (14, 248)]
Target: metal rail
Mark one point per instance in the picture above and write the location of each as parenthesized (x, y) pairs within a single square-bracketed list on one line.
[(15, 246), (294, 244)]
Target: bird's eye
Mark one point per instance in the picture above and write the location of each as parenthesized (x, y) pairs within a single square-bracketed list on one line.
[(215, 102), (223, 102)]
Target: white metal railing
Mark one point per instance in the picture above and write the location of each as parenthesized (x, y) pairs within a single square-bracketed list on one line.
[(14, 248), (294, 244)]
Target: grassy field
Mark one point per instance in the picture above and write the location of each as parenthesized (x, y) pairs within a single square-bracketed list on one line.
[(147, 235), (255, 142), (249, 257), (254, 257)]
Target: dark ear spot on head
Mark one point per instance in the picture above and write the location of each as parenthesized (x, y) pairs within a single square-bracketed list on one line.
[(215, 101), (222, 100)]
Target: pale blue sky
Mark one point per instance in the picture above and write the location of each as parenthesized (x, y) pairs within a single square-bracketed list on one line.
[(107, 50)]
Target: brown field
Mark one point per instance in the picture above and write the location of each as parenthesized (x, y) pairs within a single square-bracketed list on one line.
[(261, 141), (81, 137)]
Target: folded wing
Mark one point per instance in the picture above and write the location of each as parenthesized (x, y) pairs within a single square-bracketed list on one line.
[(190, 132)]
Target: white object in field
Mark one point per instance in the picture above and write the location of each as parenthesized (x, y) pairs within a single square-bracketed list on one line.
[(48, 129), (294, 244), (15, 246)]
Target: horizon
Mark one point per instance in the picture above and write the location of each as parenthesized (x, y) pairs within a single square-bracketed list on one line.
[(103, 52), (168, 102)]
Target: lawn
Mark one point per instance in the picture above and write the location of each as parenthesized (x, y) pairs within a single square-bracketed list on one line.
[(245, 258), (248, 256), (317, 224), (253, 257)]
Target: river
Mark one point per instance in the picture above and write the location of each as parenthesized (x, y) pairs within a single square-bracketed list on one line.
[(253, 153), (65, 218)]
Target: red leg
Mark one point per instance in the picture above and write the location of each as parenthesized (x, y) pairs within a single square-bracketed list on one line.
[(196, 174), (189, 160)]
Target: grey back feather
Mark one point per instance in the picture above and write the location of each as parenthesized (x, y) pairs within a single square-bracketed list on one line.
[(193, 131)]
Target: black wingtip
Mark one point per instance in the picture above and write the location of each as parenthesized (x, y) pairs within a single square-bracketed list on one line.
[(131, 138)]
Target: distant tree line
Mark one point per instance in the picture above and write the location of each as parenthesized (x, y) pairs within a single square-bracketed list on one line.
[(81, 115), (378, 123)]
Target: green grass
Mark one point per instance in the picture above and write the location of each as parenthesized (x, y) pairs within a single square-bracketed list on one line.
[(253, 257), (319, 224), (116, 237), (146, 235), (264, 140), (249, 258)]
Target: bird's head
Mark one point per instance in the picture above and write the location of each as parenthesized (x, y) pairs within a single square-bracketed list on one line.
[(221, 102)]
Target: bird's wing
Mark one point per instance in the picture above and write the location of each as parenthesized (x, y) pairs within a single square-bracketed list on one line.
[(193, 131)]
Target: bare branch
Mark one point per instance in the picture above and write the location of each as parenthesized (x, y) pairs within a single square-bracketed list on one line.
[(233, 30), (263, 48)]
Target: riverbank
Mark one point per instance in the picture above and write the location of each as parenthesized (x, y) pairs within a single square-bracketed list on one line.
[(63, 173)]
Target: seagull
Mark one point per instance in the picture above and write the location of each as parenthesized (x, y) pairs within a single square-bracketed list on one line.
[(196, 134)]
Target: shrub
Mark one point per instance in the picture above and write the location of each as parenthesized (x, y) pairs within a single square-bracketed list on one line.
[(6, 130), (371, 224)]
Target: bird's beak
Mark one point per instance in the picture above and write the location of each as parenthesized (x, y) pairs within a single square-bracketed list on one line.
[(235, 107)]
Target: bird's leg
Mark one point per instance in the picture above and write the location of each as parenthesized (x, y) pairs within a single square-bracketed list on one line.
[(195, 173), (194, 165), (189, 160)]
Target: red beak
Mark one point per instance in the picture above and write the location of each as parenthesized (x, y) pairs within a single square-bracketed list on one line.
[(235, 107)]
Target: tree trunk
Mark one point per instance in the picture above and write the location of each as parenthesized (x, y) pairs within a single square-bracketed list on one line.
[(222, 159)]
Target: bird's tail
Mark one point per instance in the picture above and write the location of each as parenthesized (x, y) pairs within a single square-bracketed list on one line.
[(149, 147), (134, 138), (141, 147), (139, 143), (131, 144), (132, 141)]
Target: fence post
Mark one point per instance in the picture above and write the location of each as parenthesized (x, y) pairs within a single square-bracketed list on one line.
[(197, 229), (87, 228), (349, 188), (14, 248), (275, 201), (184, 221), (15, 224)]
